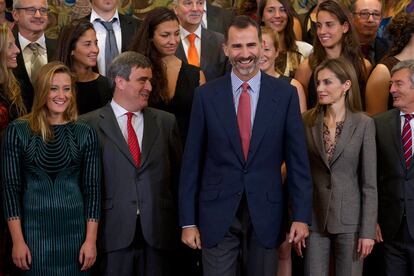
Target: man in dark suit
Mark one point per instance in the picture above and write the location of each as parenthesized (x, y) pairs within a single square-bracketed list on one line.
[(216, 19), (141, 155), (124, 28), (31, 17), (394, 130), (207, 44), (243, 127)]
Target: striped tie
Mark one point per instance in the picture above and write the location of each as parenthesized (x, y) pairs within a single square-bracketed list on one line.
[(407, 139)]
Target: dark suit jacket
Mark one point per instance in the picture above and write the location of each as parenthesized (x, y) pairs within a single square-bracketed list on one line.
[(395, 182), (129, 27), (152, 188), (213, 60), (20, 71), (215, 175), (344, 189), (218, 19)]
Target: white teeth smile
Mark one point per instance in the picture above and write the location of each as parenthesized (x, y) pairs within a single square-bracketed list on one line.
[(245, 61), (59, 102)]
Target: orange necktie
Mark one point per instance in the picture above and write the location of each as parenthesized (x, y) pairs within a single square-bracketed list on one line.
[(192, 51)]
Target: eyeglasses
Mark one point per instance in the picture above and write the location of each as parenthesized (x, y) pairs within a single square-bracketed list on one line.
[(33, 10), (365, 15)]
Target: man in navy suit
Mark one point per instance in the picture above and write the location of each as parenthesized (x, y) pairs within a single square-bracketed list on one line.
[(243, 127)]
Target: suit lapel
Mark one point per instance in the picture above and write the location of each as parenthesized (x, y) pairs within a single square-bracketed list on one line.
[(224, 105), (266, 107), (124, 22), (317, 134), (180, 53), (149, 136), (109, 125), (395, 128), (50, 49), (346, 135), (20, 71), (206, 48)]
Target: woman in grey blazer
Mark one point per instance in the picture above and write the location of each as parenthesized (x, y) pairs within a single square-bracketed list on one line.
[(341, 146)]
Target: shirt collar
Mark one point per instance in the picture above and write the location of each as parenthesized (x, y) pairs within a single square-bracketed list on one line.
[(403, 113), (254, 82), (95, 16), (184, 33), (119, 111), (24, 41)]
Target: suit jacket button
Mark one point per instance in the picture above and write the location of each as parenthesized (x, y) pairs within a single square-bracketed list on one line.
[(244, 171), (239, 193), (328, 172)]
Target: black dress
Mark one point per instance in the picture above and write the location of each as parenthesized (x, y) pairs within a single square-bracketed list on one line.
[(180, 104), (93, 94)]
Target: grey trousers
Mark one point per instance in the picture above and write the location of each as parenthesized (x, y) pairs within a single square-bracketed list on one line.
[(342, 246), (240, 251)]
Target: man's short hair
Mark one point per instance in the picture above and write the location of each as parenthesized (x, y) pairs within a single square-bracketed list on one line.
[(17, 4), (121, 66), (242, 22), (352, 6), (406, 64)]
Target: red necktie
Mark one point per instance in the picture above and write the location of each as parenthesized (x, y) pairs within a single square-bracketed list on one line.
[(407, 139), (244, 118), (133, 141), (192, 51)]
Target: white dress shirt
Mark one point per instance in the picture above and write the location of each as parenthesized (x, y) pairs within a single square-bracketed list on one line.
[(27, 53), (122, 119), (101, 36), (184, 40)]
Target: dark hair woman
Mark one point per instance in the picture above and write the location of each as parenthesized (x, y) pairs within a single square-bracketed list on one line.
[(78, 49), (174, 81)]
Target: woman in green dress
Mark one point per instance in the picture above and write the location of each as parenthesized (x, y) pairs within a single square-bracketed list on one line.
[(51, 178)]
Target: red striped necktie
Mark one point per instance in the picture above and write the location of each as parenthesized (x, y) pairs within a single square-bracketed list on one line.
[(133, 141), (406, 137)]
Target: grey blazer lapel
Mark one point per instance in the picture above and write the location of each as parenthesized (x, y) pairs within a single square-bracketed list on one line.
[(110, 127), (150, 134), (317, 131), (346, 135)]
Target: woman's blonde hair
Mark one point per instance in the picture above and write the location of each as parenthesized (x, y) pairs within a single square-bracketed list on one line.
[(10, 85), (344, 71), (276, 42), (38, 121)]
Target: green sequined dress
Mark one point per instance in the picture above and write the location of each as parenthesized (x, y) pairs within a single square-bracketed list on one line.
[(53, 188)]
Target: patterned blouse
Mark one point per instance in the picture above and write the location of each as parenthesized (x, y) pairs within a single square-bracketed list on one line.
[(328, 142)]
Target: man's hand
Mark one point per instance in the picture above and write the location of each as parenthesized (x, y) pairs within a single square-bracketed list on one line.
[(378, 234), (191, 237), (298, 233), (365, 247)]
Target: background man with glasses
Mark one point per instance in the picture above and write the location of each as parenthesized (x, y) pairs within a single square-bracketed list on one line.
[(36, 50), (367, 16)]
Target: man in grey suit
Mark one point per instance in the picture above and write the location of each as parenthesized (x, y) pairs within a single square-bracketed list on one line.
[(141, 155), (394, 130), (208, 44)]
